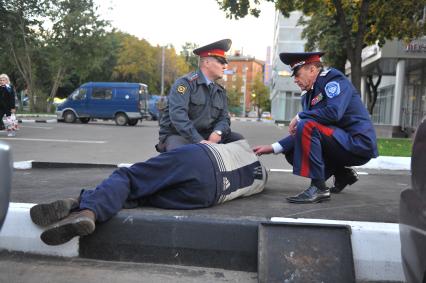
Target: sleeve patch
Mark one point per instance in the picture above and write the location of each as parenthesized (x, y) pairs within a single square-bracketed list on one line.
[(181, 89), (332, 89)]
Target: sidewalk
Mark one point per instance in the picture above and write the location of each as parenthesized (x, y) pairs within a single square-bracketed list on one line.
[(223, 236), (36, 118)]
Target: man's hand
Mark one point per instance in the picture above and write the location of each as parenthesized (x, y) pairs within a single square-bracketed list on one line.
[(205, 141), (214, 138), (293, 125), (263, 149)]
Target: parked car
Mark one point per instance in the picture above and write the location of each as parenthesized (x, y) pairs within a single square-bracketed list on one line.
[(5, 180), (266, 115), (252, 114), (412, 213), (126, 103)]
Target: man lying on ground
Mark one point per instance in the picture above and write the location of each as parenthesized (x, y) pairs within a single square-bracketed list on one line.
[(189, 177)]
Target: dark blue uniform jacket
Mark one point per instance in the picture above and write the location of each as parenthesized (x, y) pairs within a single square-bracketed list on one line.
[(334, 102)]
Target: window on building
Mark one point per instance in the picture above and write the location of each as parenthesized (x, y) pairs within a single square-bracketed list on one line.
[(292, 105), (382, 112)]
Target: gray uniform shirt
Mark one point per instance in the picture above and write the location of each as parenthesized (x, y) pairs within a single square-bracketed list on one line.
[(194, 109)]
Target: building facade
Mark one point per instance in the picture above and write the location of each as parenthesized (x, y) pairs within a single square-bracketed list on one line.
[(285, 94), (242, 70), (401, 99)]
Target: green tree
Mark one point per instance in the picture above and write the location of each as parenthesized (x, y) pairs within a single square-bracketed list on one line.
[(322, 32), (190, 58), (260, 95), (21, 29), (175, 66), (138, 61), (235, 95), (111, 46), (361, 22), (76, 41)]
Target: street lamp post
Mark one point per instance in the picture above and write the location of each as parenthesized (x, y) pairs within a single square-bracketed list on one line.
[(256, 105), (244, 89), (162, 70)]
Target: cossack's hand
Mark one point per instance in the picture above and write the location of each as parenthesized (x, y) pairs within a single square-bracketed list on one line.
[(292, 126), (263, 149)]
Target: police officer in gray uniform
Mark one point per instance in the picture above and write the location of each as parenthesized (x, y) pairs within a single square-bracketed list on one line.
[(197, 110)]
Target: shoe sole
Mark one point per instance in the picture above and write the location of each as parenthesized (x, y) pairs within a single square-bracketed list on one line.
[(336, 191), (315, 201), (49, 213), (61, 234)]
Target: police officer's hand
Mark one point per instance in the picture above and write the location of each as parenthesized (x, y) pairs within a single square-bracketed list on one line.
[(263, 149), (205, 141), (214, 138), (292, 126)]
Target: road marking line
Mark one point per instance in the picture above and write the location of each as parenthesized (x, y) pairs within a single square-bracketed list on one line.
[(291, 170), (51, 140), (34, 127)]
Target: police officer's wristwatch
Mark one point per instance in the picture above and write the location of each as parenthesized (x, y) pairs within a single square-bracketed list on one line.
[(219, 133)]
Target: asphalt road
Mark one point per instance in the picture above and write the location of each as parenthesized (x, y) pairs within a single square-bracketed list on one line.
[(374, 198), (104, 142)]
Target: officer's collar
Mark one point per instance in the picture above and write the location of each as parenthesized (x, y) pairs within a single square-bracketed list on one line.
[(202, 79)]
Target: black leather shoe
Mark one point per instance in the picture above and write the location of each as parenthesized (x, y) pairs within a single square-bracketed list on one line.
[(48, 213), (80, 223), (311, 195), (347, 176)]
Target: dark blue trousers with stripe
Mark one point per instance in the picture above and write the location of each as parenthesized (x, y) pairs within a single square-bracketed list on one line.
[(315, 154)]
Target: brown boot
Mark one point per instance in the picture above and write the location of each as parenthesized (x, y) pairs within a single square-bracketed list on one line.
[(48, 213), (80, 223)]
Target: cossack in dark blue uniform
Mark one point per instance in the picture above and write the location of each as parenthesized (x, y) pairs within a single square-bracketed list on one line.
[(332, 108)]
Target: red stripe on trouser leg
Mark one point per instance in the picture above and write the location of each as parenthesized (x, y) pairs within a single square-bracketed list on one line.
[(306, 144)]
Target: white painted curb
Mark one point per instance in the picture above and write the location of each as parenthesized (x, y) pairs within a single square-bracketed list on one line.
[(388, 163), (38, 121), (20, 234), (376, 248)]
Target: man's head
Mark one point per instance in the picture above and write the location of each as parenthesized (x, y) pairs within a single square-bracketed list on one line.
[(4, 79), (213, 59), (305, 66)]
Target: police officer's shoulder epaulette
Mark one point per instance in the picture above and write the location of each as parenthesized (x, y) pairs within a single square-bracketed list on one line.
[(324, 72), (192, 76)]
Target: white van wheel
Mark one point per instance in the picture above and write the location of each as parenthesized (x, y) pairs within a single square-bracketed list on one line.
[(121, 119), (69, 117)]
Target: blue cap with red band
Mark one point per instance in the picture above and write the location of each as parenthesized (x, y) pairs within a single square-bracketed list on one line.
[(298, 59)]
